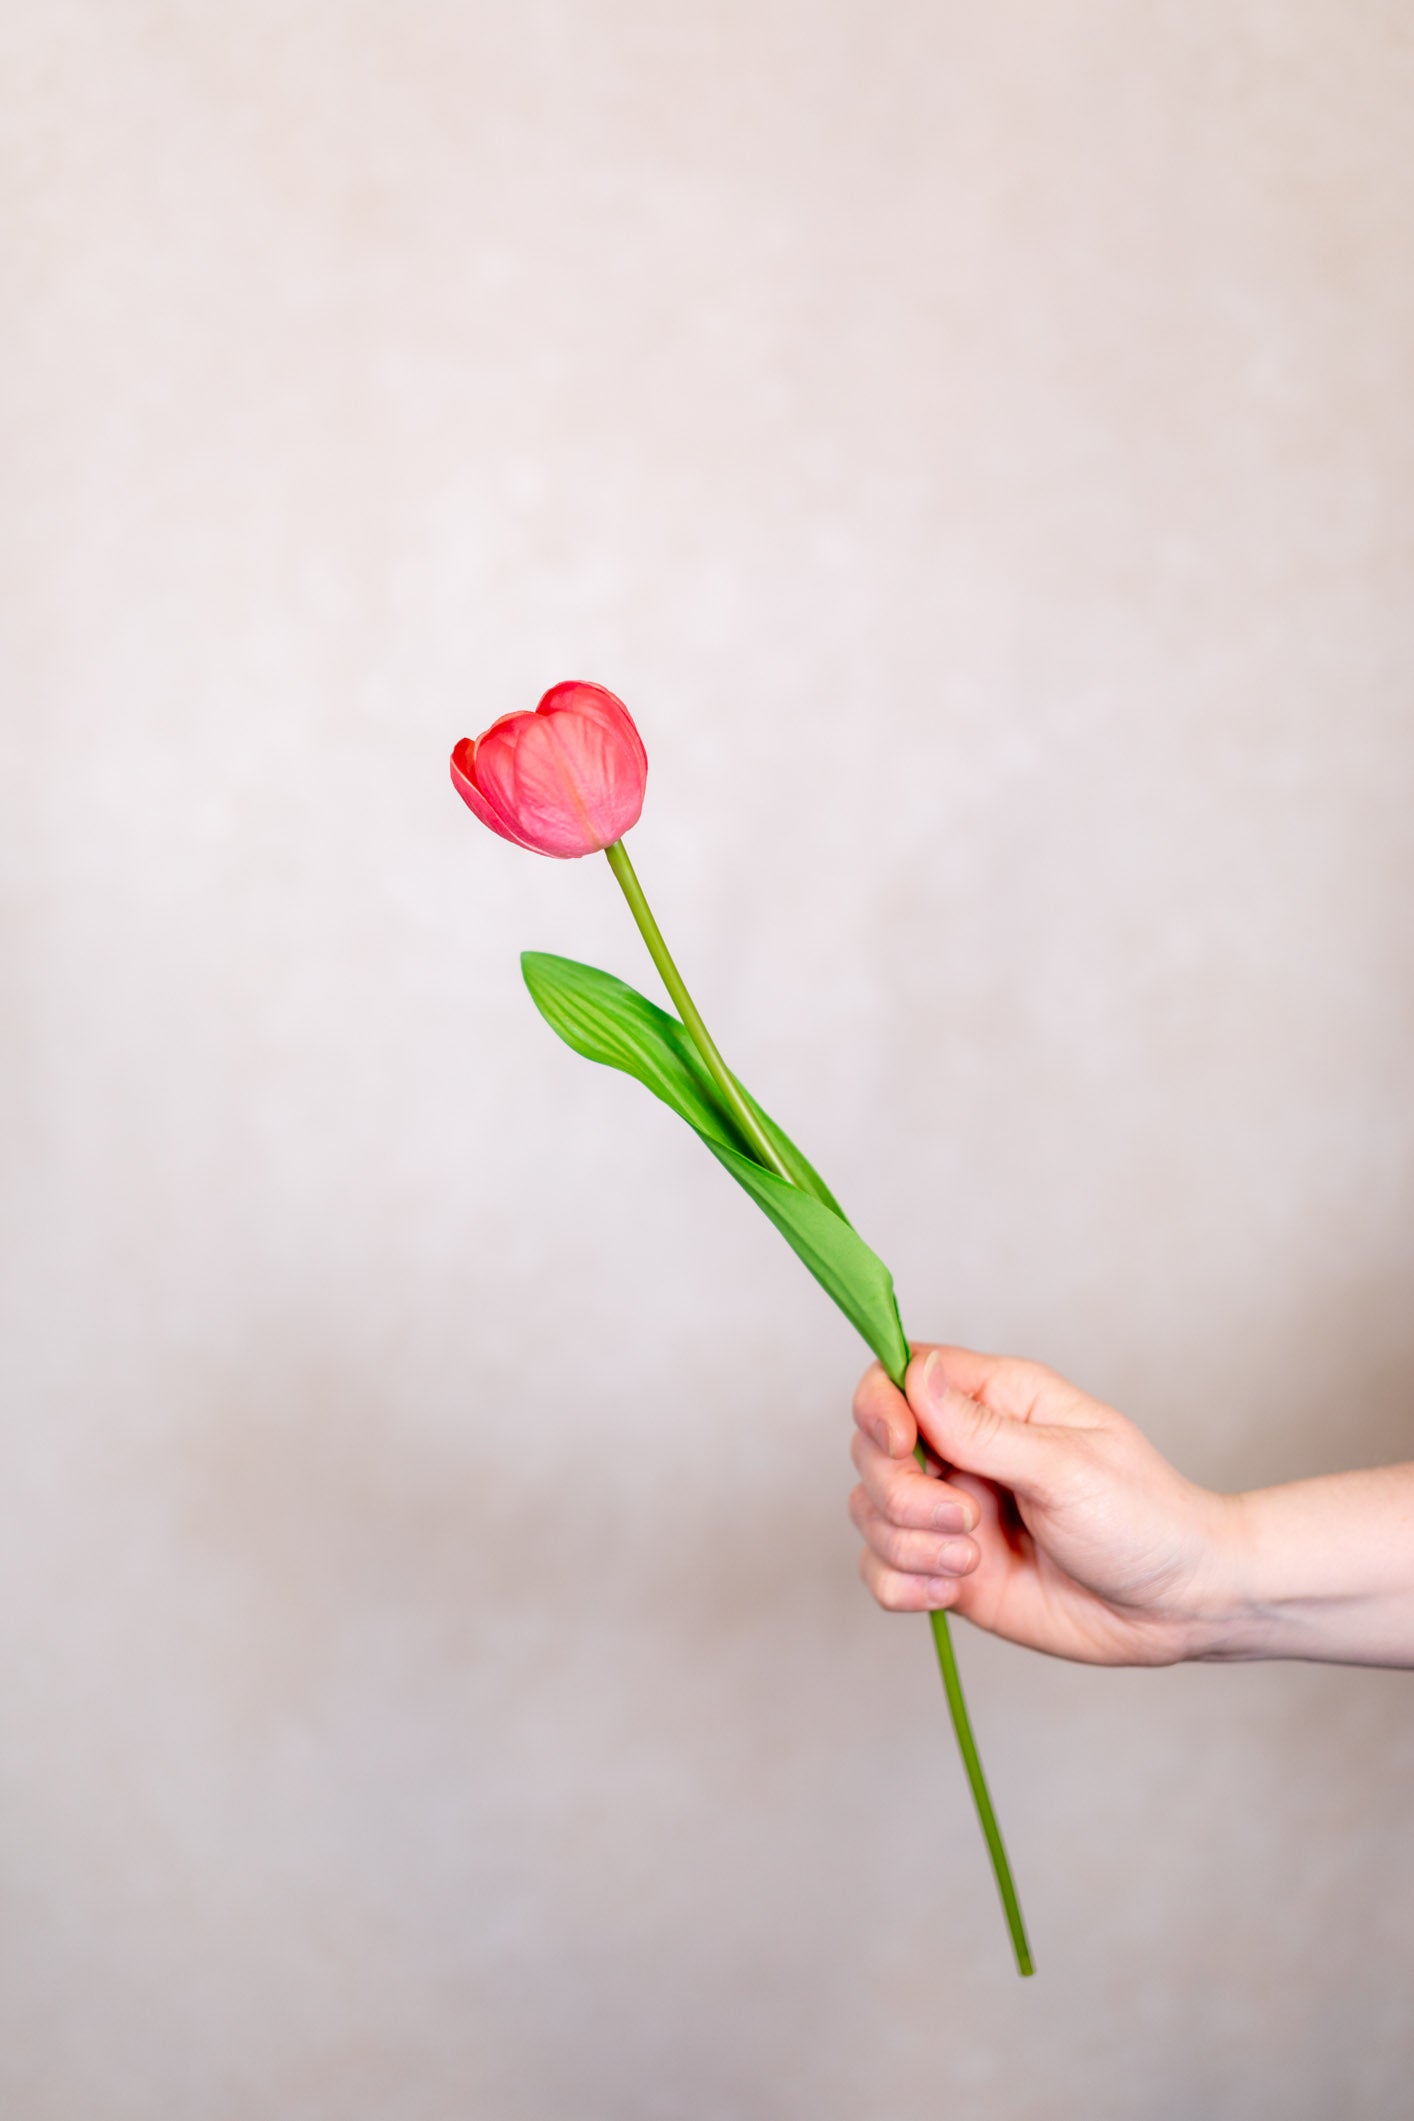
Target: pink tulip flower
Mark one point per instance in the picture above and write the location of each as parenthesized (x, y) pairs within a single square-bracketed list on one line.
[(566, 780)]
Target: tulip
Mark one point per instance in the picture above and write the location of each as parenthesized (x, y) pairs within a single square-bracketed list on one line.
[(566, 780)]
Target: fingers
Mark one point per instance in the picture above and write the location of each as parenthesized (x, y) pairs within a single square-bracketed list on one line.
[(1003, 1442), (907, 1594), (907, 1497), (991, 1423), (910, 1553), (914, 1525)]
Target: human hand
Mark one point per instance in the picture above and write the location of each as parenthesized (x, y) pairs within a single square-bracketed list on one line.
[(1043, 1514)]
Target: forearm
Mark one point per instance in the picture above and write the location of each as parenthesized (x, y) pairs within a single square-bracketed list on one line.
[(1319, 1569)]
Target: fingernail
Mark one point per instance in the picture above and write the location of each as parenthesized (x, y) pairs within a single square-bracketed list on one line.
[(955, 1554), (883, 1437), (935, 1385), (954, 1517)]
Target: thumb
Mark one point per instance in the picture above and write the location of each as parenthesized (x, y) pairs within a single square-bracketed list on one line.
[(1020, 1455)]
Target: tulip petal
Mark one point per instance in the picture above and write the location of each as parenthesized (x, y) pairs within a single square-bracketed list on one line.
[(464, 781), (596, 703), (522, 775), (607, 773)]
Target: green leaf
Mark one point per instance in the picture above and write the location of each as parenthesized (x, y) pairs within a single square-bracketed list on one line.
[(610, 1022), (607, 1021)]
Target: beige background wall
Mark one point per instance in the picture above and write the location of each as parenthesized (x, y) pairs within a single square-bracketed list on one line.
[(978, 443)]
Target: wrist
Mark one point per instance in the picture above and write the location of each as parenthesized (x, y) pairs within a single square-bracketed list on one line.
[(1230, 1608), (1233, 1614), (1205, 1609)]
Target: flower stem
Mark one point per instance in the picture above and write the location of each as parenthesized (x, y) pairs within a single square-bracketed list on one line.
[(672, 979), (755, 1136), (897, 1369), (971, 1760)]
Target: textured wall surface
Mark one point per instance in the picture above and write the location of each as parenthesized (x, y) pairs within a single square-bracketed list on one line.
[(978, 443)]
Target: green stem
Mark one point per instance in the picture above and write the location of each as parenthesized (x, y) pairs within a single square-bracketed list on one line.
[(971, 1760), (754, 1134), (966, 1743), (672, 979)]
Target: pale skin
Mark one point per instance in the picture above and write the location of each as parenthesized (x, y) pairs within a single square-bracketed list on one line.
[(1049, 1519)]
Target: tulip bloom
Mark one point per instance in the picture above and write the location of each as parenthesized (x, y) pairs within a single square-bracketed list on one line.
[(566, 780)]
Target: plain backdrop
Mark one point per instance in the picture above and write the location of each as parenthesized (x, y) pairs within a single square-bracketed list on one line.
[(977, 442)]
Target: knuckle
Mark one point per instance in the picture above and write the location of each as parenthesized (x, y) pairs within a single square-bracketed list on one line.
[(908, 1506), (896, 1546), (1079, 1470), (1029, 1378), (986, 1422), (897, 1487), (922, 1499)]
